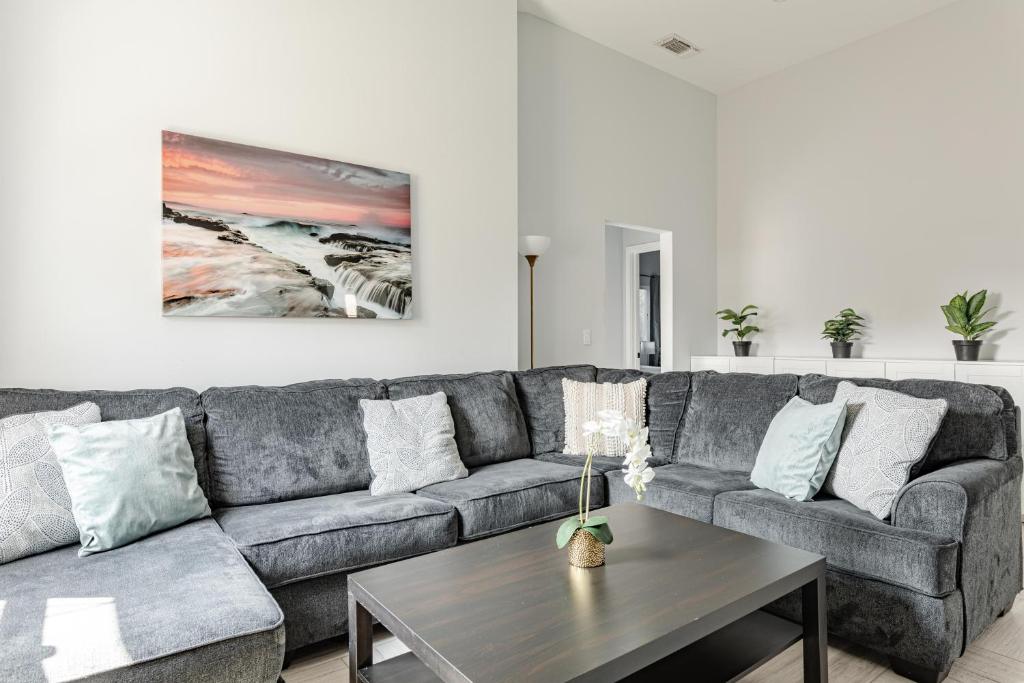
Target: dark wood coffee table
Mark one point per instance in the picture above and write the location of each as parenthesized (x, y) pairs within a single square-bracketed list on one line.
[(677, 600)]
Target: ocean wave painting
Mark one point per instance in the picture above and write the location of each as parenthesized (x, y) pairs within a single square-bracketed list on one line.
[(254, 232)]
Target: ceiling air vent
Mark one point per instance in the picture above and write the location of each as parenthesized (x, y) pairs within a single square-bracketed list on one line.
[(677, 46)]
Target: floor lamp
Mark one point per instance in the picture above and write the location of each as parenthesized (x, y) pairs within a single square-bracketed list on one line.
[(532, 246)]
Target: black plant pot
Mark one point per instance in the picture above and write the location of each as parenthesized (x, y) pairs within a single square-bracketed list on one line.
[(741, 348), (842, 349), (967, 349)]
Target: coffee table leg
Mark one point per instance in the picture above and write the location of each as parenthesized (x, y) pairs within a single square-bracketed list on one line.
[(360, 638), (815, 631)]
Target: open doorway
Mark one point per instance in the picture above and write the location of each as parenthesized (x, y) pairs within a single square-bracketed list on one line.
[(644, 312), (644, 289)]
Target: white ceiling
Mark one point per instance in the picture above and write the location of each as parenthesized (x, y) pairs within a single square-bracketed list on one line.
[(741, 40)]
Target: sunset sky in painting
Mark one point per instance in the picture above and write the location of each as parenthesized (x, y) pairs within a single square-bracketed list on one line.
[(224, 176)]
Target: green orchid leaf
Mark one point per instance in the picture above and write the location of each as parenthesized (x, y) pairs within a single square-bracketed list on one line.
[(602, 533), (596, 520), (566, 531)]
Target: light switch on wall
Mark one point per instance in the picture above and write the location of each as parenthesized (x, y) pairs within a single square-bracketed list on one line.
[(586, 337)]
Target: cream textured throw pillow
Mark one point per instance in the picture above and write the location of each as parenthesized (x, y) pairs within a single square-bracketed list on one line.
[(35, 508), (584, 400), (411, 443), (886, 434)]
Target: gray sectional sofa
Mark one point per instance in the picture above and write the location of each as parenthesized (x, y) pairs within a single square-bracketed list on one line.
[(286, 473)]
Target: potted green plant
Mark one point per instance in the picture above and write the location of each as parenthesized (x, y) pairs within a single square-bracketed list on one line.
[(842, 330), (741, 345), (965, 316)]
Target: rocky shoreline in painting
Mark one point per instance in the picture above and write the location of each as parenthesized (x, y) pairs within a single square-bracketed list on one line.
[(223, 264)]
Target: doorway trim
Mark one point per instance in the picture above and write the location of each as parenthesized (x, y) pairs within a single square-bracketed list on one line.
[(662, 243)]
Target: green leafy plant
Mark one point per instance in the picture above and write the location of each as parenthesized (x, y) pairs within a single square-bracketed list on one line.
[(737, 321), (844, 327), (965, 316)]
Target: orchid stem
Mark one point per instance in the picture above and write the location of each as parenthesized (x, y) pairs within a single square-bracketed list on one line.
[(585, 477)]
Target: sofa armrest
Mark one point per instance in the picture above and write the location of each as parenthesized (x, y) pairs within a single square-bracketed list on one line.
[(978, 503)]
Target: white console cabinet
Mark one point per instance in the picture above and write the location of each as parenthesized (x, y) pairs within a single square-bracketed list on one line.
[(999, 373)]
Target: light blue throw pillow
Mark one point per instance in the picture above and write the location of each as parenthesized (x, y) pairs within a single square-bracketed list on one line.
[(799, 448), (128, 479)]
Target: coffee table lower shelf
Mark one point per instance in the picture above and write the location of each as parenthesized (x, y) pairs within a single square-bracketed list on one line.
[(726, 655)]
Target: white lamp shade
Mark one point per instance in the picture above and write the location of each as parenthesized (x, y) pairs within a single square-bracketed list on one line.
[(533, 245)]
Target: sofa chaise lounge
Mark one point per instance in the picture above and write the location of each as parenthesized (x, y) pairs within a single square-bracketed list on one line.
[(286, 473)]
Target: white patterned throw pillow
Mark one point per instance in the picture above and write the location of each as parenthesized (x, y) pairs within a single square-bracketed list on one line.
[(411, 443), (35, 508), (584, 400), (886, 434)]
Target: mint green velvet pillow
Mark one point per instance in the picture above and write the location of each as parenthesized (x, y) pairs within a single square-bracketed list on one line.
[(799, 448), (128, 479)]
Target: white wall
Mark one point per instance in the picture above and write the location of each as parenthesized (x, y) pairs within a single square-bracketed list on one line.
[(87, 86), (883, 176), (605, 138)]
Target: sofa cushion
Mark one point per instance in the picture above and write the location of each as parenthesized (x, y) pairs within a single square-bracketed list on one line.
[(35, 506), (301, 539), (980, 421), (852, 540), (120, 405), (268, 444), (182, 605), (727, 417), (540, 395), (489, 426), (687, 490), (584, 402), (128, 479), (503, 496), (666, 400), (799, 448), (411, 443), (600, 463)]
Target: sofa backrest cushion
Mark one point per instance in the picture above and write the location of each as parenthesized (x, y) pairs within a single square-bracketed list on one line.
[(120, 405), (980, 422), (489, 425), (666, 400), (540, 396), (727, 417), (268, 444)]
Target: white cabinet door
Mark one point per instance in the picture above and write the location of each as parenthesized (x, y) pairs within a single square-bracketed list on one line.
[(854, 367), (800, 366), (716, 363), (912, 369), (1011, 377), (755, 364)]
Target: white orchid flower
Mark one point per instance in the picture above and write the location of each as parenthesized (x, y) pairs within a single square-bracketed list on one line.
[(591, 427)]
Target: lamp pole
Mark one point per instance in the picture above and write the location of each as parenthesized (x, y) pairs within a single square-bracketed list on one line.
[(531, 247), (532, 260)]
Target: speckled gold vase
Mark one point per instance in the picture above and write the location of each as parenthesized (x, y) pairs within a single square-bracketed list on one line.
[(585, 550)]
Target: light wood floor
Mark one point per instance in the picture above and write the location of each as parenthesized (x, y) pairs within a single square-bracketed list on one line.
[(998, 655)]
